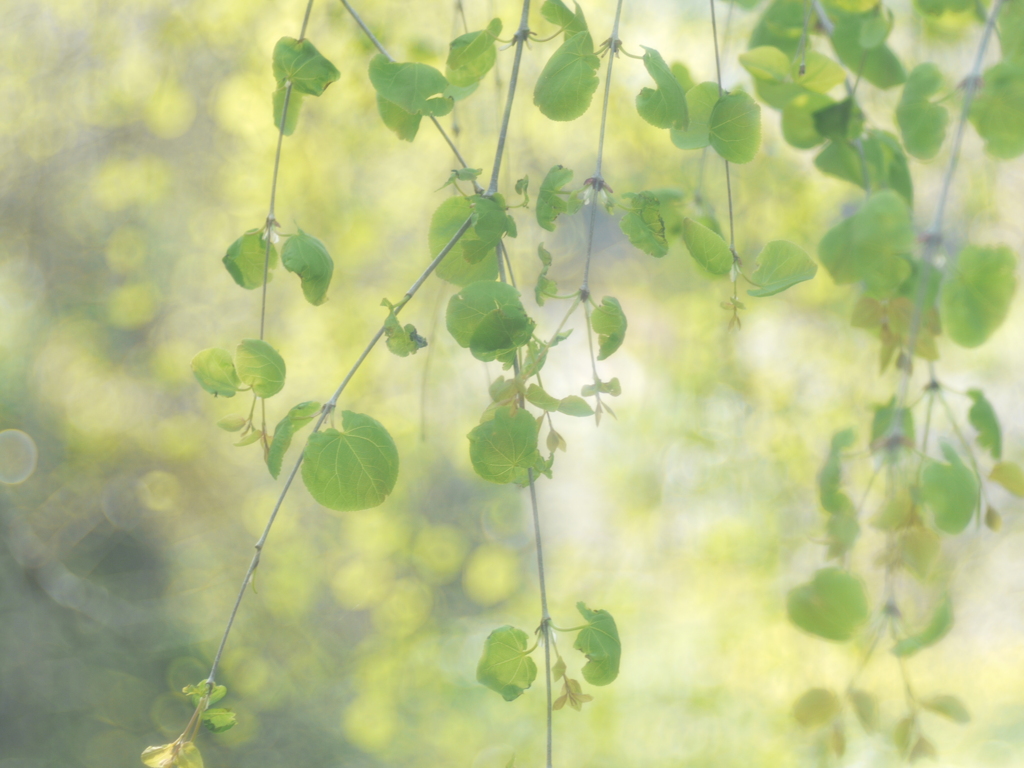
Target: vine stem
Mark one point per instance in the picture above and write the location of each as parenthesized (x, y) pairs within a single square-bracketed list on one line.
[(933, 235), (268, 232), (324, 413), (728, 179), (520, 37)]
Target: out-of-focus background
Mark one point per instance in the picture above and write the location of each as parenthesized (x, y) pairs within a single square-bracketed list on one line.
[(136, 143)]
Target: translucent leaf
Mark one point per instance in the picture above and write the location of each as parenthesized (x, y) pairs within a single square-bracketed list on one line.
[(454, 268), (490, 224), (308, 258), (489, 319), (707, 248), (682, 74), (948, 706), (975, 298), (472, 55), (536, 395), (878, 65), (599, 641), (234, 422), (189, 756), (1011, 32), (865, 708), (798, 125), (841, 121), (567, 83), (245, 259), (983, 418), (997, 112), (302, 65), (853, 6), (503, 448), (403, 123), (780, 26), (198, 691), (353, 469), (922, 123), (401, 340), (882, 422), (886, 164), (546, 287), (297, 417), (557, 12), (867, 246), (260, 366), (920, 548), (575, 406), (700, 101), (833, 605), (1010, 476), (781, 265), (766, 62), (939, 625), (551, 200), (821, 74), (216, 373), (505, 666), (219, 720), (666, 106), (416, 88), (816, 707), (833, 499), (609, 323), (734, 127), (159, 757), (643, 225), (294, 106)]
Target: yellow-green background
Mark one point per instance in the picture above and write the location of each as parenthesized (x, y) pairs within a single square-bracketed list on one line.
[(136, 143)]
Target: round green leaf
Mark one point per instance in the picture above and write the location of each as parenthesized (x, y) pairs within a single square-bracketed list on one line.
[(245, 259), (503, 448), (609, 323), (950, 490), (454, 267), (833, 605), (821, 74), (707, 247), (472, 55), (299, 62), (975, 298), (1010, 476), (948, 706), (781, 265), (816, 707), (506, 666), (766, 62), (404, 124), (307, 257), (922, 123), (735, 127), (567, 83), (983, 418), (216, 373), (666, 106), (419, 89), (700, 100), (294, 105), (260, 366), (644, 225), (489, 319), (297, 418), (998, 110), (353, 469), (599, 640)]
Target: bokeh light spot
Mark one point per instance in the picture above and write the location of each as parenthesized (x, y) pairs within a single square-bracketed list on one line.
[(18, 456)]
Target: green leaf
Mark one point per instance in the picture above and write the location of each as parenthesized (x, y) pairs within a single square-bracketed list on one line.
[(983, 418), (219, 720), (307, 257), (506, 666), (536, 395), (297, 417), (403, 123), (734, 127), (780, 26), (234, 422), (878, 65), (575, 406), (301, 64), (833, 605), (666, 106), (158, 757), (700, 101), (401, 341), (294, 105), (245, 259), (1011, 32), (707, 248), (1010, 476), (416, 88), (472, 55), (882, 422), (781, 265), (922, 123), (950, 490), (567, 83), (557, 12), (643, 225), (975, 297), (833, 499), (490, 224), (866, 247), (353, 469), (260, 366), (546, 287), (216, 373), (865, 708), (551, 198), (198, 691), (816, 707), (503, 448), (599, 641), (840, 121), (799, 127), (189, 756), (682, 75), (883, 156), (489, 319), (821, 74), (949, 707), (609, 323), (454, 268), (920, 548), (938, 627), (766, 62)]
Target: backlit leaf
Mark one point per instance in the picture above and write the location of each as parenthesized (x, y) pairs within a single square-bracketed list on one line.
[(975, 297), (734, 127), (998, 109), (983, 418), (939, 625), (299, 62), (294, 106), (816, 707), (557, 12), (403, 123), (353, 469), (447, 220), (505, 666), (567, 83), (219, 720), (833, 605), (245, 259), (308, 258), (700, 101), (707, 248), (781, 265), (599, 640), (609, 323), (416, 88), (472, 55), (260, 366), (1010, 476), (551, 200), (297, 418), (878, 65), (503, 448), (766, 62), (666, 106), (949, 707), (643, 225), (489, 319), (922, 123), (216, 373)]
